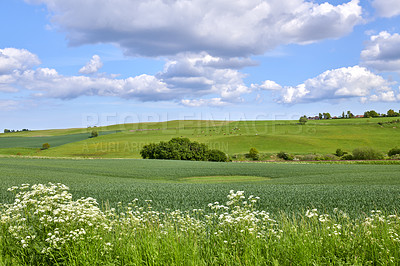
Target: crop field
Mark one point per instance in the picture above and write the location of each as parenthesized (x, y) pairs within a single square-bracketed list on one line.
[(289, 187), (157, 212), (232, 137)]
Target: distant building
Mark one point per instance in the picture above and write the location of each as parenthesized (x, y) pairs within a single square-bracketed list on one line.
[(359, 116)]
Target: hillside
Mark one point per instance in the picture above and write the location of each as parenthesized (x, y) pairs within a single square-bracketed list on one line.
[(233, 137)]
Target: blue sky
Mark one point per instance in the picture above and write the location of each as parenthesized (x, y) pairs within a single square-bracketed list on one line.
[(82, 63)]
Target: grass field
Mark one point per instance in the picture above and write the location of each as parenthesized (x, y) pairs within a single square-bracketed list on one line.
[(236, 137), (185, 185)]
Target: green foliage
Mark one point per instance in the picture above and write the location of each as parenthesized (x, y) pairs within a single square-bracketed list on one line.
[(94, 134), (254, 154), (217, 156), (181, 149), (45, 146), (327, 115), (394, 151), (340, 153), (285, 156), (303, 120), (347, 157), (367, 153), (371, 113)]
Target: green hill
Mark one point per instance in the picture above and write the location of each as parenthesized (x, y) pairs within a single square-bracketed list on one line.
[(233, 137)]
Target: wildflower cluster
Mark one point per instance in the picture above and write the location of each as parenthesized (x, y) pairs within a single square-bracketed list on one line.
[(46, 219), (45, 222)]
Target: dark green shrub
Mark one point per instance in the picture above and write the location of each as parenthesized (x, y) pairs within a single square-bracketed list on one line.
[(285, 156), (394, 151), (181, 149), (367, 153), (94, 134), (340, 153), (253, 154), (347, 157), (217, 156), (45, 146)]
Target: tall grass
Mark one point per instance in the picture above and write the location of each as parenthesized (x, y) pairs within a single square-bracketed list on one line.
[(45, 226)]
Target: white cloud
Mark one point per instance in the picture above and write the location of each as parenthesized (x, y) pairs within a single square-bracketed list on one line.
[(12, 59), (214, 102), (189, 76), (387, 8), (341, 83), (201, 74), (382, 52), (267, 85), (218, 27), (92, 66)]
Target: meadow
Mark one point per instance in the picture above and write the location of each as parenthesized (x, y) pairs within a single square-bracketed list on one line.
[(232, 137)]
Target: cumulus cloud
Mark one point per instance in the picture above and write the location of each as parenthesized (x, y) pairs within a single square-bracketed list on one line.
[(387, 8), (92, 66), (202, 74), (218, 27), (186, 76), (267, 85), (12, 59), (341, 83), (382, 52)]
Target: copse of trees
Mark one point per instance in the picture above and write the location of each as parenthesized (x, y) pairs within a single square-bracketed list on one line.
[(13, 131), (182, 149)]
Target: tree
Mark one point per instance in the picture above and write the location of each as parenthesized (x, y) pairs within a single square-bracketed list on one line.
[(343, 115), (253, 154), (349, 114), (392, 113), (7, 131), (327, 116), (371, 113), (45, 146), (319, 116), (303, 120)]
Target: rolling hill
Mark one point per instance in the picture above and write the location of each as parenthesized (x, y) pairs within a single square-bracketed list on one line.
[(233, 137)]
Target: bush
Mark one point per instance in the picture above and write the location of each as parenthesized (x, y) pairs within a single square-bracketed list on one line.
[(253, 154), (181, 149), (285, 156), (94, 134), (367, 153), (45, 146), (217, 156), (347, 157), (394, 151), (340, 153)]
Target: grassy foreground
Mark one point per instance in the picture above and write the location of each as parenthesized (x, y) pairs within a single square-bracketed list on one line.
[(45, 226)]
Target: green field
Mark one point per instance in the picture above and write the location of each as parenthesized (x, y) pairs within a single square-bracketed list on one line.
[(233, 137), (185, 185)]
